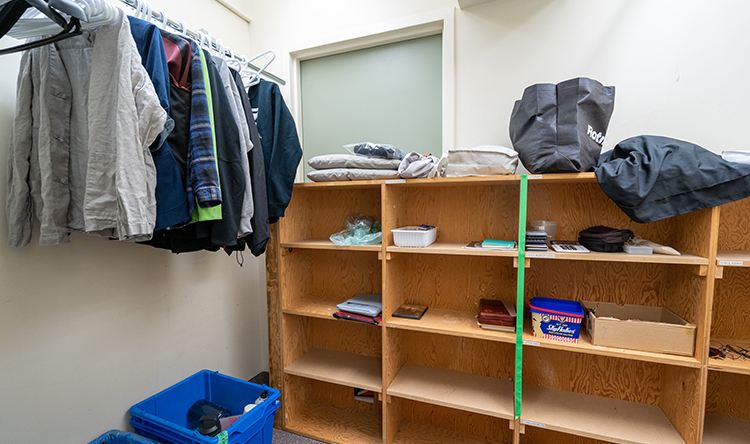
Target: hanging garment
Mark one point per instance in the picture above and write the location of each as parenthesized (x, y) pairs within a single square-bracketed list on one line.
[(212, 235), (281, 148), (261, 230), (179, 58), (238, 115), (202, 147), (653, 177), (86, 113), (171, 200), (231, 174)]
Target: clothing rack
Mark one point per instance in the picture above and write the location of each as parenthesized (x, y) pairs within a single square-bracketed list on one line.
[(196, 35)]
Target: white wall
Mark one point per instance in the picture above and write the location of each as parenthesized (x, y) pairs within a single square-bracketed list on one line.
[(90, 328), (679, 67)]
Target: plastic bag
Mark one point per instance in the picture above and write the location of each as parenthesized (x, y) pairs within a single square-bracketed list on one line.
[(377, 150), (120, 437), (360, 230)]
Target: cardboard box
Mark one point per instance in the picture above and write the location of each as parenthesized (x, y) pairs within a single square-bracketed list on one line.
[(637, 327)]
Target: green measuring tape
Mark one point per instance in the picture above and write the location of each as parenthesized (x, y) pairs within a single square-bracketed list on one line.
[(519, 289)]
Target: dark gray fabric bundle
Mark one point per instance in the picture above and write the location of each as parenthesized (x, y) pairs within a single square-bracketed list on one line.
[(561, 128), (653, 177)]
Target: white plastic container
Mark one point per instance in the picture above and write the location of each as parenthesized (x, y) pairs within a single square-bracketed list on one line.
[(413, 237), (547, 226)]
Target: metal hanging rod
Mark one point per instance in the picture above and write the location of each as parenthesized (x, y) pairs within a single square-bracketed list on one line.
[(196, 35)]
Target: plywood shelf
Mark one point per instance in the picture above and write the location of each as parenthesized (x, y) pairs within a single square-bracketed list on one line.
[(326, 244), (725, 430), (416, 433), (341, 368), (683, 259), (596, 417), (738, 366), (733, 258), (458, 390), (584, 345), (452, 248), (460, 249), (312, 308), (336, 424), (341, 184), (450, 322)]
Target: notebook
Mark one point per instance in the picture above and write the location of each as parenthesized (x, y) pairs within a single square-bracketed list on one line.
[(364, 304)]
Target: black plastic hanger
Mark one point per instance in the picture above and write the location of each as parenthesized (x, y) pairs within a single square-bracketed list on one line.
[(72, 29)]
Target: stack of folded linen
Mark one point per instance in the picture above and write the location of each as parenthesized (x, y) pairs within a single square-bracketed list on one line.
[(336, 167)]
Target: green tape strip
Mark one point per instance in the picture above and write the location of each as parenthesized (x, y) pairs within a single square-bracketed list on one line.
[(519, 289), (223, 437)]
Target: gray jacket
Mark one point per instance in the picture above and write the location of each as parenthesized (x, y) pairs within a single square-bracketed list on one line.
[(246, 144), (86, 113)]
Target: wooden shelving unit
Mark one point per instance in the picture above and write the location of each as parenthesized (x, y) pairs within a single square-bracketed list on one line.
[(727, 413), (443, 378)]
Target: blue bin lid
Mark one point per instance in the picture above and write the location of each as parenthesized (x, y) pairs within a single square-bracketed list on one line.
[(560, 307)]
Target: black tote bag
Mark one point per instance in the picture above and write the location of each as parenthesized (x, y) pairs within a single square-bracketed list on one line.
[(561, 128)]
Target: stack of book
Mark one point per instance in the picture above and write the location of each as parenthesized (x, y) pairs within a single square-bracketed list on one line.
[(497, 315), (364, 307), (536, 241)]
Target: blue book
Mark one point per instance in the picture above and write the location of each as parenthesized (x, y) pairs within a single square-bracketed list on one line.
[(499, 244)]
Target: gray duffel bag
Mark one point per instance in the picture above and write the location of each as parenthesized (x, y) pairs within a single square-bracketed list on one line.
[(561, 128)]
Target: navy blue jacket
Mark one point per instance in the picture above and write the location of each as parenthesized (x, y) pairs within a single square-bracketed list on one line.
[(281, 148), (171, 200)]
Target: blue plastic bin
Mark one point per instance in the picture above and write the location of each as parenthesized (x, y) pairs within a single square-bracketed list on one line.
[(120, 437), (163, 417), (556, 319)]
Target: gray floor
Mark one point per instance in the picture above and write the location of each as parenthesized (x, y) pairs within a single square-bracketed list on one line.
[(281, 437)]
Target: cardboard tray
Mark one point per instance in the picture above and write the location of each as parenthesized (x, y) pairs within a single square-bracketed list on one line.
[(637, 327)]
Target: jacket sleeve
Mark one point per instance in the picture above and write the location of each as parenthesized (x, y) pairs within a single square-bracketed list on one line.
[(19, 206), (285, 158)]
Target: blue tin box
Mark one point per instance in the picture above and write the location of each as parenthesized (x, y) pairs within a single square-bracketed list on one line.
[(556, 319)]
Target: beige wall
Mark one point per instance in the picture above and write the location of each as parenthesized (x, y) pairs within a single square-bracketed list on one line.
[(90, 328)]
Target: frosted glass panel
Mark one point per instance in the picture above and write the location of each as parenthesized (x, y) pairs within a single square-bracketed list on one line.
[(387, 94)]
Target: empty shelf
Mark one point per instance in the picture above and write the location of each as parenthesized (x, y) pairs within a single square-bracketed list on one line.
[(458, 390), (596, 417), (339, 368)]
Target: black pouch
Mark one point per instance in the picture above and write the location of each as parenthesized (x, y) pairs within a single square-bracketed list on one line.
[(561, 128), (604, 239)]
